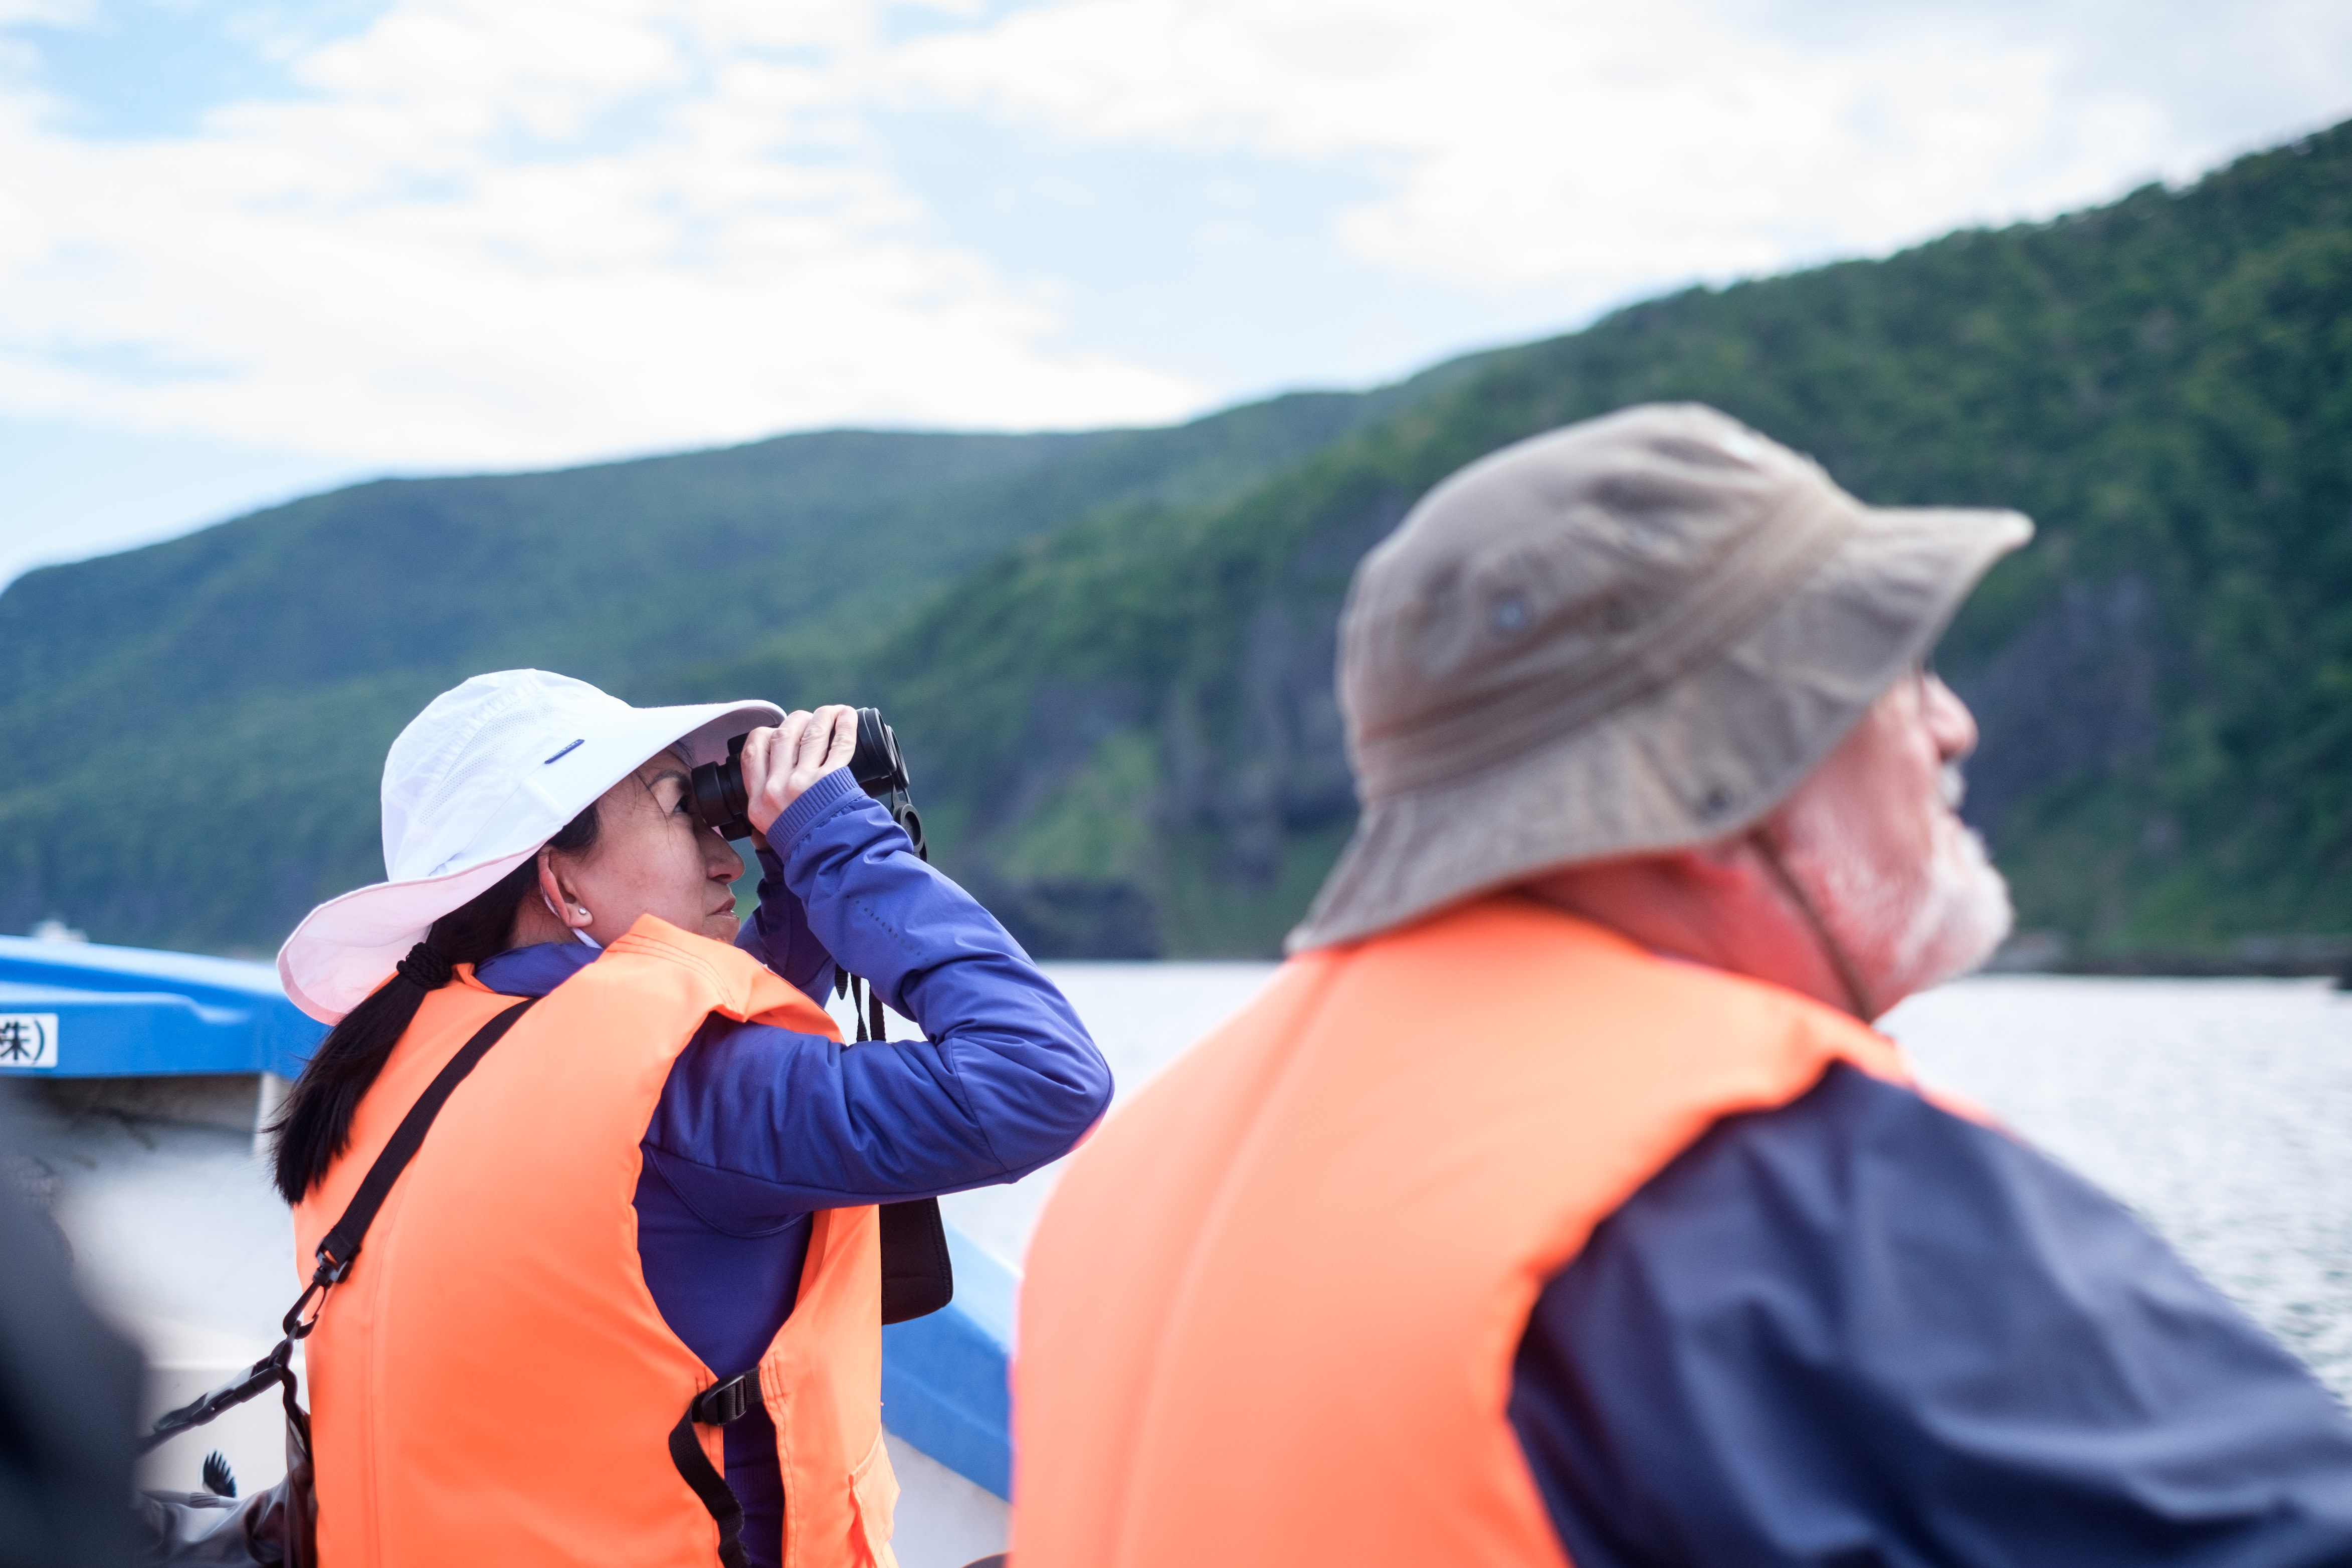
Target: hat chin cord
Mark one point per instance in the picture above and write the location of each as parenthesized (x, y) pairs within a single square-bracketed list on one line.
[(1857, 999)]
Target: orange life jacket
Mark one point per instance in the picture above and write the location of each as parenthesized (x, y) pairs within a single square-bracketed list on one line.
[(493, 1384), (1270, 1313)]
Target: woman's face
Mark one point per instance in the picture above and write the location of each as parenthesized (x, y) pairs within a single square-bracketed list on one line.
[(651, 857)]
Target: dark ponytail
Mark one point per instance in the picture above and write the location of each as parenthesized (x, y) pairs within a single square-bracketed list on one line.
[(314, 1126)]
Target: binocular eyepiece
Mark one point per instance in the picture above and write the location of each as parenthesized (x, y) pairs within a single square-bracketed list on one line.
[(719, 799)]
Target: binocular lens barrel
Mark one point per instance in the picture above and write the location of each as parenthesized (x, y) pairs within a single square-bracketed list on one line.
[(717, 792), (719, 798)]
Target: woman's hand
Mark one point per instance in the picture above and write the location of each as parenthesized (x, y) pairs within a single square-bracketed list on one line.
[(780, 764)]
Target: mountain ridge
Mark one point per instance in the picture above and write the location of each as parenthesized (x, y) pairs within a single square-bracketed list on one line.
[(1109, 652)]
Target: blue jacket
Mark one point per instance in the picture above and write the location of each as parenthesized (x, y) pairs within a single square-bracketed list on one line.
[(758, 1127), (1859, 1331)]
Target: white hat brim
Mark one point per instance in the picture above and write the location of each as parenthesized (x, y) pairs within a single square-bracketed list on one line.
[(348, 945)]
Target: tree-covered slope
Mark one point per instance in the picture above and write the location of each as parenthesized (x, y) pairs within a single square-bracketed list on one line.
[(1141, 747), (1110, 653), (194, 730)]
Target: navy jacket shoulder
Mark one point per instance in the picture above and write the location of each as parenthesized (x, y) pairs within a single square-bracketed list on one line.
[(1860, 1330)]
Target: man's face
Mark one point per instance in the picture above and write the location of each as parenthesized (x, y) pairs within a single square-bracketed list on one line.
[(1873, 839)]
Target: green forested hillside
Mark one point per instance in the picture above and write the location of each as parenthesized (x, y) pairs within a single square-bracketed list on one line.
[(1111, 653), (193, 730), (2164, 681)]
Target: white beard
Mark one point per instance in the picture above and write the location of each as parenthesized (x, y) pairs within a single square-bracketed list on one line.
[(1903, 928)]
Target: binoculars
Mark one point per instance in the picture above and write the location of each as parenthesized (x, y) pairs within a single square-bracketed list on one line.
[(720, 799)]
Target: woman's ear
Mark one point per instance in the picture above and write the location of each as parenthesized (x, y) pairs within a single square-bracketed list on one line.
[(555, 889)]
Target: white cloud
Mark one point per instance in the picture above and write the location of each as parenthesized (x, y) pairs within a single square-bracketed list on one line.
[(497, 232), (507, 231), (1607, 146)]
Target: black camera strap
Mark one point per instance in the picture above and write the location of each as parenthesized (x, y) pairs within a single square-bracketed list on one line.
[(917, 1276), (340, 1249)]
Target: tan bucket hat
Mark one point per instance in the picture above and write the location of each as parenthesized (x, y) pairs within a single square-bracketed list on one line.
[(1626, 635)]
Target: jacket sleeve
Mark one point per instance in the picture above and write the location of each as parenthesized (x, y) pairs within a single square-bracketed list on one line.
[(757, 1124), (778, 932), (1860, 1330)]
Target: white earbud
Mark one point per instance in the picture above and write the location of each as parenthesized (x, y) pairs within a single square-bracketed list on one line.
[(577, 933)]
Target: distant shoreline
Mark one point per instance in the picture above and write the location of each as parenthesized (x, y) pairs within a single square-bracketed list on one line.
[(2281, 958)]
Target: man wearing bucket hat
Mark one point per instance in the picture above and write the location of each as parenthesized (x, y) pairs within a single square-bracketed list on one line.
[(1555, 1202), (622, 1304)]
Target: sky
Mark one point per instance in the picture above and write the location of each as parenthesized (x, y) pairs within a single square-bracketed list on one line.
[(250, 250)]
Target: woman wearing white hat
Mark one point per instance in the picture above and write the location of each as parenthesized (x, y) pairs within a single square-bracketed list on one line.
[(655, 1195)]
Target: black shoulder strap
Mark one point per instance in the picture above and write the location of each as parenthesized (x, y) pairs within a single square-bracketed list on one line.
[(341, 1245)]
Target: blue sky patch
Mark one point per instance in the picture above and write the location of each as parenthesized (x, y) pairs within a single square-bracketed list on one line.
[(138, 68)]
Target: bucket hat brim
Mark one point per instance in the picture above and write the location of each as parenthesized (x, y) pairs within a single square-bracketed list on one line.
[(348, 945), (1705, 757)]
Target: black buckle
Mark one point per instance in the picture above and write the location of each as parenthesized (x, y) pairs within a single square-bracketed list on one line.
[(296, 1326), (328, 1274), (723, 1401), (275, 1367)]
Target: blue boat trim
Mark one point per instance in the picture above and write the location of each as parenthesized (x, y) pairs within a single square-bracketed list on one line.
[(943, 1377), (129, 1012)]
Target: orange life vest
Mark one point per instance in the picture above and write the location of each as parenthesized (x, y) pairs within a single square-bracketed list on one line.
[(1271, 1311), (493, 1384)]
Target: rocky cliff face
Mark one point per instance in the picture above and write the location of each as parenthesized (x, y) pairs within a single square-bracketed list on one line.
[(2070, 699)]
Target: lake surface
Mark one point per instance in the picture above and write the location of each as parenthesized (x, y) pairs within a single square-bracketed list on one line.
[(2220, 1109)]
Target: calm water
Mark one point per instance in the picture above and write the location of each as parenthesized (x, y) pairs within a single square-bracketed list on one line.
[(2220, 1109)]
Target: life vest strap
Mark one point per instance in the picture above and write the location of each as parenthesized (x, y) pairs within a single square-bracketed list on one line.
[(714, 1407)]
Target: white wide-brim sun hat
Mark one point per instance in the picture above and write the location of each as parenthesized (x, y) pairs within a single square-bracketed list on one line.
[(477, 782)]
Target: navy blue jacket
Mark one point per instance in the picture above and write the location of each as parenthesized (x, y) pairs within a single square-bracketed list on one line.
[(1858, 1331), (758, 1127)]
